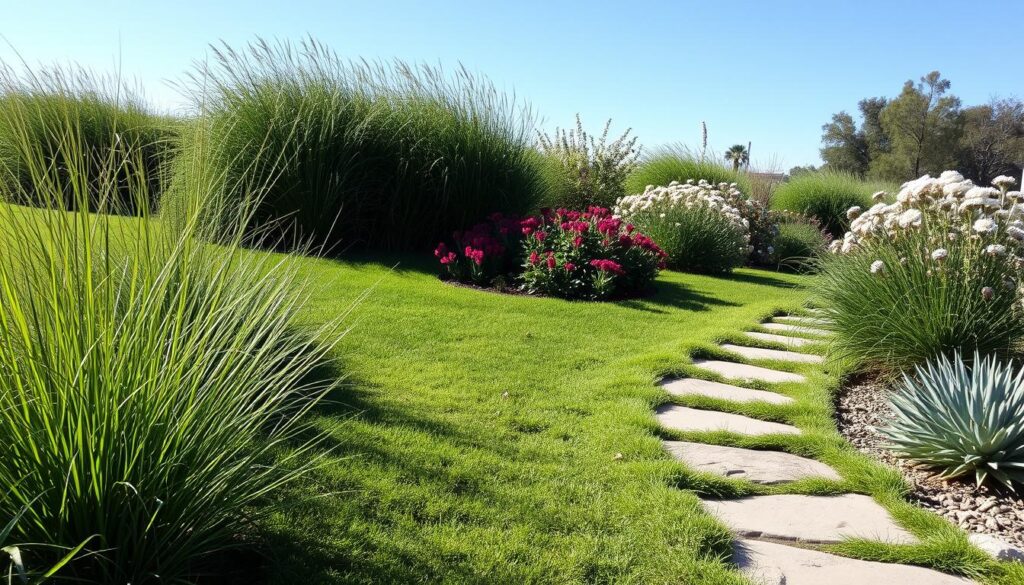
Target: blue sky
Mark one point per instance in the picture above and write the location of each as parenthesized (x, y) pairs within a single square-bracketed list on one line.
[(767, 72)]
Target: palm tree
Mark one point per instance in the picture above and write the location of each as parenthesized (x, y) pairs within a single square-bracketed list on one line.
[(737, 153)]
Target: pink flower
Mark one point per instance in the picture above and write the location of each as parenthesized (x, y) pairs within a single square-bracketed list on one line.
[(629, 228), (551, 261), (448, 258), (577, 241), (607, 266), (569, 267), (534, 258), (541, 236), (441, 250)]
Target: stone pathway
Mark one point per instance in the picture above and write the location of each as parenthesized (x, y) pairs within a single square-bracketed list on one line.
[(770, 527), (698, 387)]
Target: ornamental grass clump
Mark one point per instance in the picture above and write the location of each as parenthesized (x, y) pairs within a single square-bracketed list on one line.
[(383, 156), (108, 122), (152, 386), (681, 164), (824, 196), (934, 272), (694, 223), (962, 419)]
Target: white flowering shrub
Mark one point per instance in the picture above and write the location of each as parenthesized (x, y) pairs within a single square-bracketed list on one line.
[(934, 272), (693, 222)]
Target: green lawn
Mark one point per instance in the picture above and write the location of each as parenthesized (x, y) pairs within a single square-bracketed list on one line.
[(477, 437)]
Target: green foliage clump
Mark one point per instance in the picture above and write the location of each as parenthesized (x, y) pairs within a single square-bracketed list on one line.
[(583, 170), (962, 418), (933, 273), (799, 243), (823, 196), (677, 163), (108, 123), (146, 377), (353, 153)]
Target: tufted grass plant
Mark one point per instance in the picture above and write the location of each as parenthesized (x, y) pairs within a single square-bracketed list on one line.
[(152, 386), (696, 239), (914, 309), (825, 196), (799, 244), (385, 156), (116, 132), (679, 163)]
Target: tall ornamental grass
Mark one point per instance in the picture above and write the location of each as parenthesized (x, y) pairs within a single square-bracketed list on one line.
[(824, 196), (362, 154), (110, 125), (152, 385), (936, 272), (680, 164)]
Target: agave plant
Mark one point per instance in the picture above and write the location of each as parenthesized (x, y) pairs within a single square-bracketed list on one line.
[(962, 418)]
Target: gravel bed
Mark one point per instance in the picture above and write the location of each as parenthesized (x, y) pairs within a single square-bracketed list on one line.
[(862, 405)]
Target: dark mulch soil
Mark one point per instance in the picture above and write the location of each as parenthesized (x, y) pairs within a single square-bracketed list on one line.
[(862, 405)]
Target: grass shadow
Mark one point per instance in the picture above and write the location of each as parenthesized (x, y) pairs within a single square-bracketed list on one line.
[(677, 296)]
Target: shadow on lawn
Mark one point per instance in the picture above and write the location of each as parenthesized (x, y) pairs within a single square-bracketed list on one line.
[(676, 296), (762, 277), (315, 547)]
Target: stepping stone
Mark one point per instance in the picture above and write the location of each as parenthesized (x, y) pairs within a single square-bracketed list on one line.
[(797, 320), (747, 372), (696, 386), (682, 418), (765, 467), (811, 519), (790, 341), (768, 563), (757, 353), (789, 327)]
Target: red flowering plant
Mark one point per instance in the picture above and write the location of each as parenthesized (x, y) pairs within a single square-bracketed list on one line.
[(571, 254), (587, 255), (486, 254)]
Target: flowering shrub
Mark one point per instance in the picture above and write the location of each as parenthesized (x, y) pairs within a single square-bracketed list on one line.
[(693, 222), (569, 254), (484, 253), (934, 272), (762, 225)]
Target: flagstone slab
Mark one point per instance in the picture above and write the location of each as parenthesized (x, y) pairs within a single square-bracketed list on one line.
[(791, 328), (758, 353), (769, 563), (786, 339), (810, 519), (747, 372), (767, 467), (683, 418), (696, 386), (798, 320)]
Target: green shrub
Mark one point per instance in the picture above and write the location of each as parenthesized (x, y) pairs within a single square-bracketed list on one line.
[(934, 273), (799, 243), (583, 170), (824, 196), (111, 125), (146, 379), (677, 163), (384, 156), (694, 225), (961, 419)]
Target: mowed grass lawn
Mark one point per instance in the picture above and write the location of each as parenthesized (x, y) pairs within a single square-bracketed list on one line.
[(476, 437)]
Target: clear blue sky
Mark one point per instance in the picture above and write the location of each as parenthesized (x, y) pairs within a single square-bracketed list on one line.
[(770, 72)]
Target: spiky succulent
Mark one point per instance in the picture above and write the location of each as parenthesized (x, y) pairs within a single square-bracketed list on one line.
[(962, 418)]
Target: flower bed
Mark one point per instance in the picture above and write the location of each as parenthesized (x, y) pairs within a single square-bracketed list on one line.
[(700, 230), (569, 254)]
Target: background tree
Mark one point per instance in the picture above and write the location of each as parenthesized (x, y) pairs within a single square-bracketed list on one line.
[(992, 142), (843, 145), (738, 155), (923, 128), (875, 138), (802, 170)]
